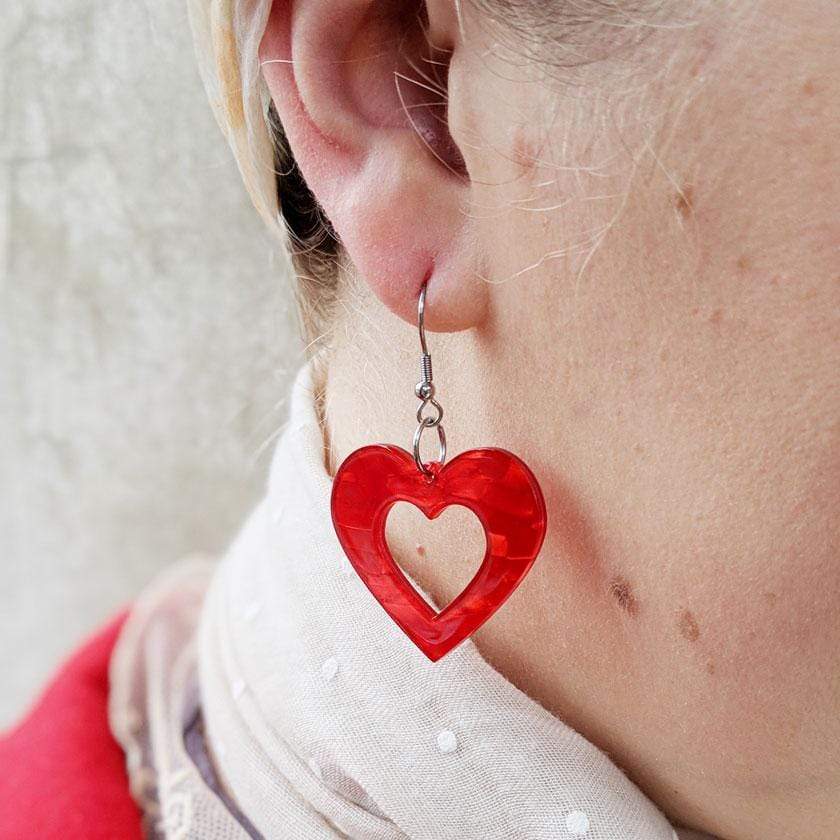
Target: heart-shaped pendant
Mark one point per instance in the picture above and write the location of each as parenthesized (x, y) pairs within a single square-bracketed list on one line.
[(494, 484)]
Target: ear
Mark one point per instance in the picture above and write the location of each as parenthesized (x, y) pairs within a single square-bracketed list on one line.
[(360, 88)]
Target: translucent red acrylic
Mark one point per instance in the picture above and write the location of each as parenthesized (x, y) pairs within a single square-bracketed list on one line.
[(493, 483)]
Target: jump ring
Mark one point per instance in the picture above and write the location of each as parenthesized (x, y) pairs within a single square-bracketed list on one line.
[(441, 444)]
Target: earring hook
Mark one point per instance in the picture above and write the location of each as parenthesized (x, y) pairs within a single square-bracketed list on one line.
[(421, 318), (425, 391)]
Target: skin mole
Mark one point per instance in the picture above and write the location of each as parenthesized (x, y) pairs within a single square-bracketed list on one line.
[(621, 590), (523, 151), (743, 262), (684, 201), (689, 628)]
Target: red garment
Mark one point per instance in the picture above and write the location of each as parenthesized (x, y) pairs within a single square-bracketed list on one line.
[(62, 774)]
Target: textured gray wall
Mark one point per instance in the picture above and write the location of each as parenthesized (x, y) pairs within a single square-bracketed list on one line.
[(146, 332)]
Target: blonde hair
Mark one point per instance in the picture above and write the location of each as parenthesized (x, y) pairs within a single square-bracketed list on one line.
[(227, 36)]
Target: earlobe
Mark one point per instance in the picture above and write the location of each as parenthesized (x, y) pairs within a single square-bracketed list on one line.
[(370, 137)]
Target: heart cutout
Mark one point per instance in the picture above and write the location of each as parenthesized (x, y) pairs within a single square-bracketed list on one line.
[(494, 484), (421, 546)]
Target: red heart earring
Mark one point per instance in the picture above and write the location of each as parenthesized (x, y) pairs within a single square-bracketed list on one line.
[(494, 484)]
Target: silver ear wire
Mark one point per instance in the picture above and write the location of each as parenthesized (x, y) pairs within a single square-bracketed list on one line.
[(425, 392), (425, 388)]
